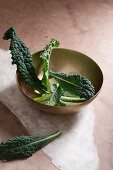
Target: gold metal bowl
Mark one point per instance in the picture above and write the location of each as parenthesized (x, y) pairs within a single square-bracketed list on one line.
[(67, 61)]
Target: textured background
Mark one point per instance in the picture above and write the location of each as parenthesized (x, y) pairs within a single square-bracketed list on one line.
[(84, 25)]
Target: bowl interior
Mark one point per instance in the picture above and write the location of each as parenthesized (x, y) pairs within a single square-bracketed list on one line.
[(67, 61)]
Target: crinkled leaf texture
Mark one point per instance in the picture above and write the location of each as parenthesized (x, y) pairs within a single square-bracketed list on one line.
[(45, 55), (52, 98), (74, 84), (22, 58), (24, 146)]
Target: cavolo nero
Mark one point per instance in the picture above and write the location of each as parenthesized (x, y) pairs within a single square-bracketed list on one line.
[(22, 58), (45, 55), (24, 146), (69, 88)]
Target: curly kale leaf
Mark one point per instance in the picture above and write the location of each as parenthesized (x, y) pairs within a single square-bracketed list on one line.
[(52, 98), (74, 84), (24, 146), (45, 55), (22, 58)]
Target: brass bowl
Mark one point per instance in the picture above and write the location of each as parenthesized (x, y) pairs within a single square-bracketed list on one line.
[(67, 61)]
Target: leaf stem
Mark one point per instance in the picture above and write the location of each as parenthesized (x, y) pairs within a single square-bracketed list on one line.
[(72, 99)]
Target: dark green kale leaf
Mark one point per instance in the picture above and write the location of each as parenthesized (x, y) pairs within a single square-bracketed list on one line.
[(22, 58), (52, 98), (74, 84), (45, 55), (24, 146)]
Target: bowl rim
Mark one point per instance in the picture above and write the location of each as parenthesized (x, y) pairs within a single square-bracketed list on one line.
[(76, 104)]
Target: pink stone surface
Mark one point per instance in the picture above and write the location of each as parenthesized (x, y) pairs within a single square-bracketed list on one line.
[(85, 26)]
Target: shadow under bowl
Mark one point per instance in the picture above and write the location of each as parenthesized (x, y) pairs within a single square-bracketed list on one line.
[(67, 61)]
